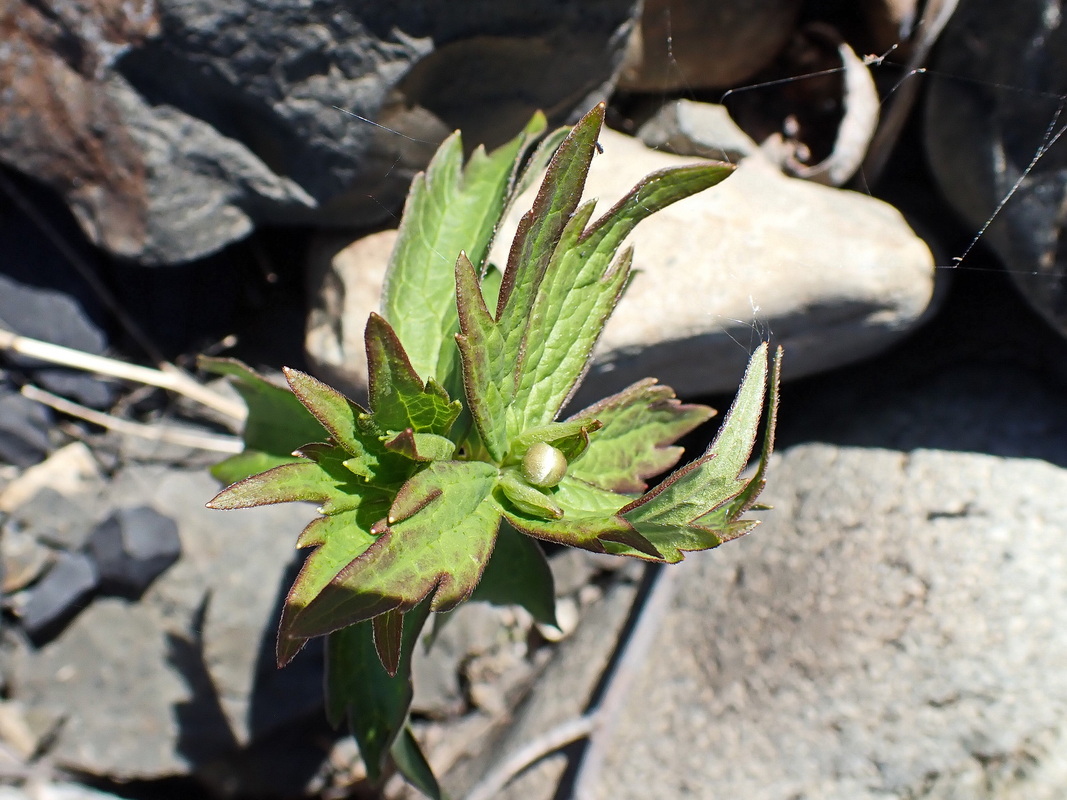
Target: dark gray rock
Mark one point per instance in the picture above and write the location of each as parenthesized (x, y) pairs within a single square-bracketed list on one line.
[(216, 117), (44, 297), (983, 130), (24, 427), (63, 592), (184, 680), (131, 548)]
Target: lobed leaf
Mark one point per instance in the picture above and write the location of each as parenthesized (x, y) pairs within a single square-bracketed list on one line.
[(638, 426), (276, 425), (450, 209), (399, 397), (338, 540), (434, 543), (582, 287), (696, 508)]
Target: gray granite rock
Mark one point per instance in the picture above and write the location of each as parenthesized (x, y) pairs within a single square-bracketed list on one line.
[(107, 676), (834, 276), (983, 130)]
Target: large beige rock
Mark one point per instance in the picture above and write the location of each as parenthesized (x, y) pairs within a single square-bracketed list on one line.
[(834, 276)]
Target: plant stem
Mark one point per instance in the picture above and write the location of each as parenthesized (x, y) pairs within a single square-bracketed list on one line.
[(202, 441), (174, 381)]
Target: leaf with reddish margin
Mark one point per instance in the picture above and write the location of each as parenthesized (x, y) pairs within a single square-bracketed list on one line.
[(435, 542), (697, 506), (399, 398), (276, 425), (639, 425), (324, 481), (451, 208), (338, 540)]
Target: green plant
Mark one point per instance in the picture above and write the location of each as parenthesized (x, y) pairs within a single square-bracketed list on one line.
[(436, 494)]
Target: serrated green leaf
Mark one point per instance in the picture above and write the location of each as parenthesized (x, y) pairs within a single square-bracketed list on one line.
[(398, 396), (422, 446), (713, 479), (538, 161), (747, 499), (435, 542), (518, 574), (450, 209), (583, 285), (358, 687), (277, 423), (639, 425), (338, 540), (541, 227), (325, 482), (335, 412)]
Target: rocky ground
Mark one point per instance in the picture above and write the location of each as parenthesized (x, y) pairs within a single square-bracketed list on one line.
[(890, 630)]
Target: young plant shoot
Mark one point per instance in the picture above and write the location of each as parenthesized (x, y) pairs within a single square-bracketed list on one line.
[(436, 493)]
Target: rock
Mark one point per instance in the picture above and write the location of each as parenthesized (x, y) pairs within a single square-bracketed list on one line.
[(981, 139), (561, 693), (184, 125), (42, 294), (62, 593), (107, 674), (184, 679), (700, 45), (24, 558), (24, 427), (131, 548), (57, 520), (688, 128), (892, 629), (69, 471), (833, 276), (55, 791)]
